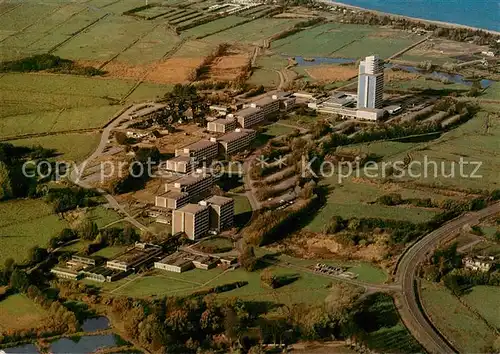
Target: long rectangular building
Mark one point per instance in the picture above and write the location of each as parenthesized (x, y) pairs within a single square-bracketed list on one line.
[(172, 200), (140, 255), (193, 185), (236, 141), (180, 164), (201, 150), (221, 125), (249, 116), (268, 105)]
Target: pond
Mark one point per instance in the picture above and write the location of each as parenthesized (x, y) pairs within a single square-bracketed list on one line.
[(311, 61), (95, 324), (85, 344), (439, 75), (27, 348)]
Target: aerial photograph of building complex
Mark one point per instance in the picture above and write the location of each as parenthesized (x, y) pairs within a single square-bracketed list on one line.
[(260, 176)]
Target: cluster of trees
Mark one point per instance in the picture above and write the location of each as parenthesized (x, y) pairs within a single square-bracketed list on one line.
[(48, 62), (459, 280), (441, 262), (69, 198), (184, 97), (202, 70), (267, 226), (13, 182), (59, 319), (447, 204)]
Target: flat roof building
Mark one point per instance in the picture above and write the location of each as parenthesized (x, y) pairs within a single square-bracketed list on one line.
[(180, 164), (249, 116), (286, 100), (370, 114), (67, 273), (102, 274), (172, 200), (201, 150), (205, 262), (268, 104), (236, 141), (192, 219), (176, 262), (194, 185), (221, 212), (221, 125), (133, 258)]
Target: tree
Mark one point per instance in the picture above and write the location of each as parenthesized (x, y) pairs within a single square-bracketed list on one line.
[(5, 182), (88, 230), (37, 254), (19, 280), (247, 258), (122, 138)]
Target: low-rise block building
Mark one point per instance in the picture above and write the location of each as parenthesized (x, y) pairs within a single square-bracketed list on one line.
[(140, 255), (67, 273), (268, 105), (193, 185), (176, 262)]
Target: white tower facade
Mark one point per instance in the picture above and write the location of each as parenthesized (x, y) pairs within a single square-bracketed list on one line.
[(371, 82)]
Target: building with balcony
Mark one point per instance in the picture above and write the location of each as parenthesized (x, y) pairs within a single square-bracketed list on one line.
[(193, 185), (172, 200), (268, 105)]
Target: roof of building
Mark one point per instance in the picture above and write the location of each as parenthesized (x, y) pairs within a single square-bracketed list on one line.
[(174, 195), (205, 260), (192, 208), (223, 121), (65, 270), (219, 200), (264, 101), (200, 144), (191, 179), (234, 135), (178, 259), (245, 112), (180, 158), (134, 254)]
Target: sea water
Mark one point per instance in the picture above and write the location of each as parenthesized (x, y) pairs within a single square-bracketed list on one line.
[(475, 13)]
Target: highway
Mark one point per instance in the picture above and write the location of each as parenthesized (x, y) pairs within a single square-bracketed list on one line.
[(409, 309)]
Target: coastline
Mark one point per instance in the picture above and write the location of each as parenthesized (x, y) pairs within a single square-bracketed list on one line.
[(435, 22)]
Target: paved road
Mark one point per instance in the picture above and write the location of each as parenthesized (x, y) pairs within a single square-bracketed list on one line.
[(409, 310), (76, 174)]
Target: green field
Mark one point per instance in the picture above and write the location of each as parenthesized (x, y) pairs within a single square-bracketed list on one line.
[(385, 331), (278, 129), (212, 27), (471, 142), (38, 103), (24, 224), (350, 200), (69, 147), (241, 204), (307, 288), (421, 83), (19, 312), (102, 216), (492, 92), (485, 300), (460, 326)]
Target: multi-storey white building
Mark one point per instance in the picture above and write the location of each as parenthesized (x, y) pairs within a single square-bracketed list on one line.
[(269, 105), (191, 184), (172, 200), (371, 83), (180, 164)]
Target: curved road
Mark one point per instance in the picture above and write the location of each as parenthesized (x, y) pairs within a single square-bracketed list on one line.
[(77, 173), (409, 309)]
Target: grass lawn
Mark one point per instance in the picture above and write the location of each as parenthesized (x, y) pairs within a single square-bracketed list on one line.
[(148, 91), (264, 77), (485, 300), (471, 141), (213, 26), (24, 224), (110, 251), (492, 92), (241, 204), (384, 47), (69, 147), (277, 130), (299, 121), (19, 312), (461, 327), (216, 245), (385, 331), (102, 216), (350, 199)]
